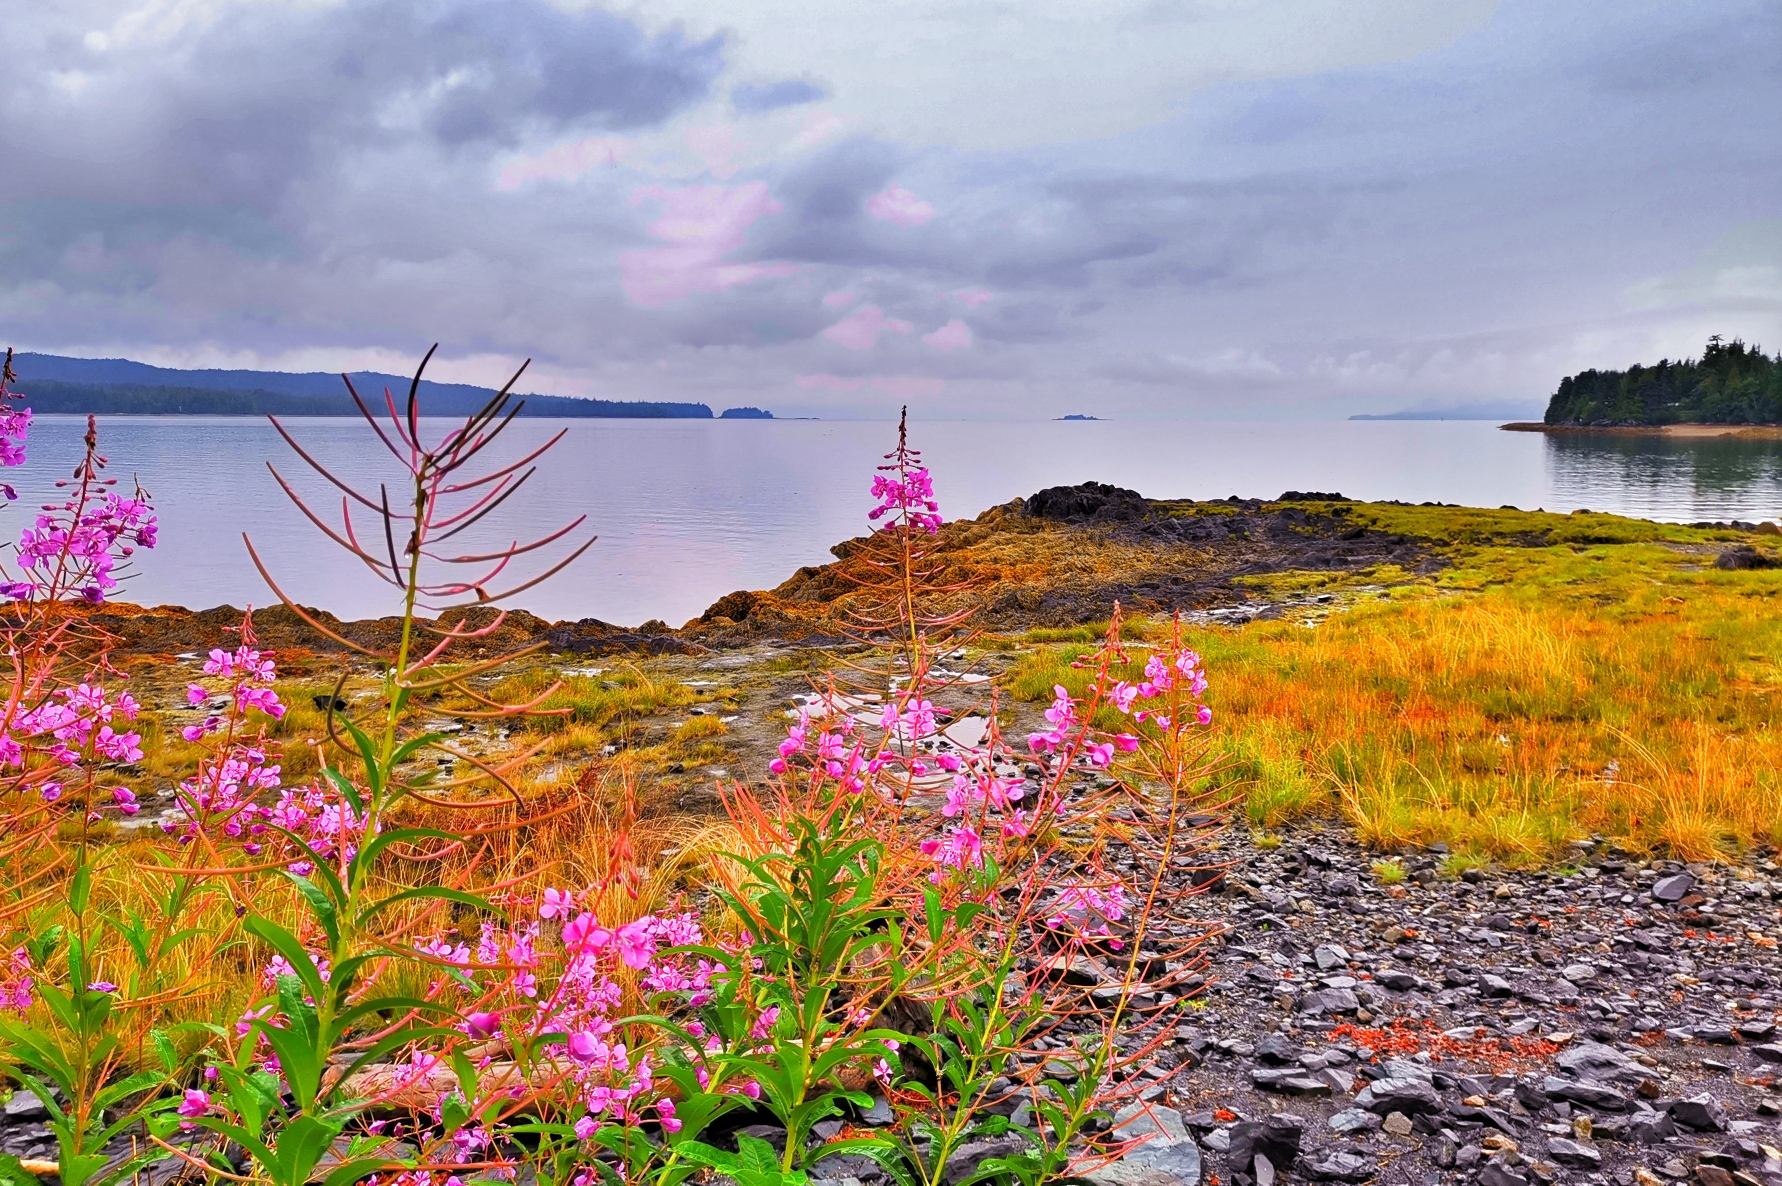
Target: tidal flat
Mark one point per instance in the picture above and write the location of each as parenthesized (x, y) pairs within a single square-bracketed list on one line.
[(1501, 681)]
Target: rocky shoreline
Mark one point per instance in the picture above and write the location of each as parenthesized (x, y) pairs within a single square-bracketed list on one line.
[(1768, 432), (1614, 1021), (1060, 557), (1611, 1021)]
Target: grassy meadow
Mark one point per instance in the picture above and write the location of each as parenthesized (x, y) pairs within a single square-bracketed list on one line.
[(1562, 676)]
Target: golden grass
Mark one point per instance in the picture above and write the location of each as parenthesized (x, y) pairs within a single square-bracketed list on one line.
[(1525, 697)]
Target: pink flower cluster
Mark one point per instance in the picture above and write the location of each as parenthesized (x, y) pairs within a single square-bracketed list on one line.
[(221, 795), (76, 726), (16, 982), (910, 499), (909, 719), (253, 671), (70, 549), (1180, 672), (840, 752), (317, 815), (505, 966), (15, 426), (1087, 910)]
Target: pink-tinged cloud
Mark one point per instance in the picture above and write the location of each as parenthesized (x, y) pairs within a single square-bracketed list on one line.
[(860, 330), (902, 386), (828, 383), (564, 161), (841, 298), (818, 127), (900, 206), (971, 298), (955, 335), (702, 224), (716, 146)]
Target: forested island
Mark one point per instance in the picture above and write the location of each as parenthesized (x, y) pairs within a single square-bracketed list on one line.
[(52, 384), (1731, 383)]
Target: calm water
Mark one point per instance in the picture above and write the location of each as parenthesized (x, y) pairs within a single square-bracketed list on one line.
[(687, 511)]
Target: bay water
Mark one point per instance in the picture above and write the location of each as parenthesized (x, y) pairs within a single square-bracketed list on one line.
[(688, 510)]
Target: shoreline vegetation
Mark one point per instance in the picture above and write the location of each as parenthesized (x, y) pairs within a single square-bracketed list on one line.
[(435, 898), (54, 385), (1764, 432), (1503, 682), (1730, 384)]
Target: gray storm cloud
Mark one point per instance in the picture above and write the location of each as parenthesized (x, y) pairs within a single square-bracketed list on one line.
[(1446, 210)]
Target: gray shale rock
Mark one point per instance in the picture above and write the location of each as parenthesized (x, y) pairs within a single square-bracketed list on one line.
[(1602, 1064), (1672, 889), (1329, 1000), (1410, 1096), (1353, 1120), (1591, 1095), (1574, 1153), (1275, 1140), (24, 1107), (1341, 1166), (968, 1157), (1702, 1113)]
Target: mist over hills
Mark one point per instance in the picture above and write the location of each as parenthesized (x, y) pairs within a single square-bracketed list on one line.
[(52, 383)]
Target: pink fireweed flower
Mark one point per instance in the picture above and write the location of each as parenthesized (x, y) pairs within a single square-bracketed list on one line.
[(125, 798), (585, 1128), (912, 720), (637, 943), (912, 498), (119, 747), (582, 934), (196, 695), (15, 981), (482, 1025), (764, 1024), (665, 1110), (1087, 910), (961, 849), (556, 902), (586, 1047), (195, 1104), (260, 700)]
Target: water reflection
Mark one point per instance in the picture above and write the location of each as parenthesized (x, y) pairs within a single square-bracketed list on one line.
[(689, 510), (1653, 477)]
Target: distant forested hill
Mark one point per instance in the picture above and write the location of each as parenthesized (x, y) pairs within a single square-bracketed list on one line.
[(50, 383), (1731, 383)]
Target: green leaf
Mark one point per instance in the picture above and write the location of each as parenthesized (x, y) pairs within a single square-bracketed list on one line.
[(295, 953), (439, 892), (80, 888), (319, 905), (413, 746), (360, 1169), (165, 1050), (14, 1174), (369, 854), (937, 918), (348, 790)]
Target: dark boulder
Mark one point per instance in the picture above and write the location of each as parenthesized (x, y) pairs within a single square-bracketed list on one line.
[(1088, 500)]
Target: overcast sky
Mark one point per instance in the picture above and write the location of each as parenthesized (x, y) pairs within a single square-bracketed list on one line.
[(1135, 208)]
